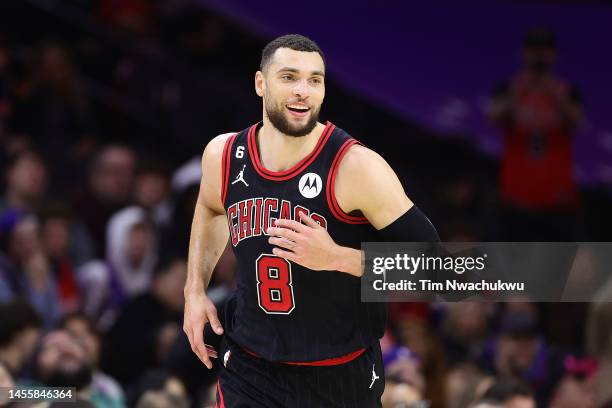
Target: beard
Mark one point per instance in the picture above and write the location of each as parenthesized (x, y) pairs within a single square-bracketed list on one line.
[(79, 379), (279, 120)]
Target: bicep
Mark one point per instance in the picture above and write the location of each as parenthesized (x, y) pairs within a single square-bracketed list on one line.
[(386, 200), (210, 192), (366, 182), (209, 211)]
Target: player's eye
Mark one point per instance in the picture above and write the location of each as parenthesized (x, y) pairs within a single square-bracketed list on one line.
[(315, 81), (287, 77)]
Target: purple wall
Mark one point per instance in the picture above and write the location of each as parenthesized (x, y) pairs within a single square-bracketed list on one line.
[(435, 62)]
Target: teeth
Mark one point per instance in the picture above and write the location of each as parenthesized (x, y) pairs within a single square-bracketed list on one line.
[(299, 107)]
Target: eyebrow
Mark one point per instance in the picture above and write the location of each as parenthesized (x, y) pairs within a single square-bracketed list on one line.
[(296, 71)]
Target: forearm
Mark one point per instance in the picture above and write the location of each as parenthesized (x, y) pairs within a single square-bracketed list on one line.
[(206, 244), (348, 260)]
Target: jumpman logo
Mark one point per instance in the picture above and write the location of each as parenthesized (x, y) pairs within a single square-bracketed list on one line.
[(374, 377), (240, 176)]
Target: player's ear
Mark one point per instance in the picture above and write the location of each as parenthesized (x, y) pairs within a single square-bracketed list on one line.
[(260, 85)]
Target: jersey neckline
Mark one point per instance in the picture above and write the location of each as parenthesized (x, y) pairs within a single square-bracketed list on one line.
[(297, 168)]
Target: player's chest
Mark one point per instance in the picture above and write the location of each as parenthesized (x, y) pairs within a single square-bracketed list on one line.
[(249, 218)]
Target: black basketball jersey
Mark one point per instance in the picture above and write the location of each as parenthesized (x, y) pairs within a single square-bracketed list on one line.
[(282, 311)]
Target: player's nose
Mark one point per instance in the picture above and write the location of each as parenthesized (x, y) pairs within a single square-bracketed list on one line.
[(301, 88)]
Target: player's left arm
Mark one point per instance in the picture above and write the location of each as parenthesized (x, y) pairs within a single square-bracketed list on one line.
[(365, 182)]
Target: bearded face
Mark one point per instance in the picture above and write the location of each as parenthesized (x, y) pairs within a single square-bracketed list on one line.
[(62, 362), (293, 88), (280, 115)]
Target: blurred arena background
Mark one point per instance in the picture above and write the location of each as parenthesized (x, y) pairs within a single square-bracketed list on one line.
[(106, 106)]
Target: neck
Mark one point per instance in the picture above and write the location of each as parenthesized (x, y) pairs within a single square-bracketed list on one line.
[(280, 152)]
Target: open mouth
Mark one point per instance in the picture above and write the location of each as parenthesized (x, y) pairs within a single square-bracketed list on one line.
[(298, 109)]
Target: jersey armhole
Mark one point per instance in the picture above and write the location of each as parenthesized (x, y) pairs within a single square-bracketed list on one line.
[(225, 165), (334, 207)]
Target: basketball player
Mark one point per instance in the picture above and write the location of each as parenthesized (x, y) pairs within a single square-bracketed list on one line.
[(296, 198)]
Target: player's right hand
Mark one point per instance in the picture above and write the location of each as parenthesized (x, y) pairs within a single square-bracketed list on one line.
[(199, 310)]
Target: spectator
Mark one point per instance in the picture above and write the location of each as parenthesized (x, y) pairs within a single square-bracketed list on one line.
[(509, 394), (62, 362), (19, 333), (465, 383), (399, 394), (577, 385), (127, 270), (26, 182), (56, 239), (175, 237), (464, 330), (104, 389), (151, 192), (404, 382), (26, 271), (162, 399), (403, 366), (155, 386), (520, 351), (132, 15), (59, 223), (5, 90), (486, 404), (417, 335), (108, 190), (538, 112), (148, 325), (55, 97), (599, 339), (6, 381)]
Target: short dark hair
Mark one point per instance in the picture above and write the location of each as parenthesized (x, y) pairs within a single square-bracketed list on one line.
[(89, 324), (295, 42), (15, 317)]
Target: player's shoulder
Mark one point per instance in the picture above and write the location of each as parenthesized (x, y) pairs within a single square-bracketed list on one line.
[(216, 144), (364, 181), (213, 152), (360, 159)]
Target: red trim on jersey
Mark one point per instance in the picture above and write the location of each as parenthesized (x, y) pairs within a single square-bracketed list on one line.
[(220, 395), (330, 188), (225, 165), (299, 167), (320, 363)]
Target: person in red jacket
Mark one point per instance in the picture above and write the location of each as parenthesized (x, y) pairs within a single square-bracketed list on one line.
[(538, 113)]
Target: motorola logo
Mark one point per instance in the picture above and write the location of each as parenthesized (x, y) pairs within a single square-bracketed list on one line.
[(310, 185)]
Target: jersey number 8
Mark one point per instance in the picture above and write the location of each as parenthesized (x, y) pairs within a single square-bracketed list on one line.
[(274, 286)]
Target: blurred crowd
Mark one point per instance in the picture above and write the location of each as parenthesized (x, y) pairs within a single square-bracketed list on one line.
[(104, 112)]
